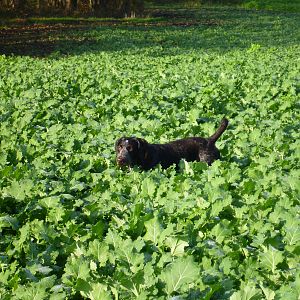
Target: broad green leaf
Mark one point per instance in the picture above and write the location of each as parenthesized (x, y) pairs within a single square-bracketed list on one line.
[(99, 250), (292, 232), (50, 202), (193, 115), (177, 246), (221, 231), (268, 293), (148, 187), (8, 221), (29, 293), (76, 267), (56, 214), (178, 273), (58, 296), (153, 230), (112, 238), (99, 292), (227, 265), (19, 189), (246, 293), (287, 291), (270, 258), (83, 286)]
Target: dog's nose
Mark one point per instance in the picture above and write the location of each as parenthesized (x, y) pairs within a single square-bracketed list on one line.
[(121, 160)]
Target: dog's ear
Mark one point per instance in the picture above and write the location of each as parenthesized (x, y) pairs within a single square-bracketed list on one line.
[(142, 149), (138, 142), (141, 143)]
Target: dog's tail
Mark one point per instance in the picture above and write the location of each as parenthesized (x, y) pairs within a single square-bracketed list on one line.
[(218, 133)]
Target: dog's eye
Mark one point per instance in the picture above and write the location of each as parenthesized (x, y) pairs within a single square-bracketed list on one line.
[(129, 148)]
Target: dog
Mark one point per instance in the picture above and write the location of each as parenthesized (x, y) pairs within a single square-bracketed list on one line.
[(132, 151)]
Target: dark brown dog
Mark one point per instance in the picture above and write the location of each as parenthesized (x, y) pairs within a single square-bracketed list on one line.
[(131, 151)]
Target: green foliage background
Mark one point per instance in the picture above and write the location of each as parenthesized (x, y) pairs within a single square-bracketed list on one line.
[(275, 5), (279, 5), (73, 225)]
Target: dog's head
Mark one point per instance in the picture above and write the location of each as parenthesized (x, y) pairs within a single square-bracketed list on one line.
[(130, 151)]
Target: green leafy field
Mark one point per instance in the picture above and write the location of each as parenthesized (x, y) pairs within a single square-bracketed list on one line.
[(72, 225)]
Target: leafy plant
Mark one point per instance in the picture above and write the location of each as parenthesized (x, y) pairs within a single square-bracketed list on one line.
[(73, 225)]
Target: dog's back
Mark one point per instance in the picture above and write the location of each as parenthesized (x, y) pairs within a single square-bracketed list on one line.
[(192, 149)]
